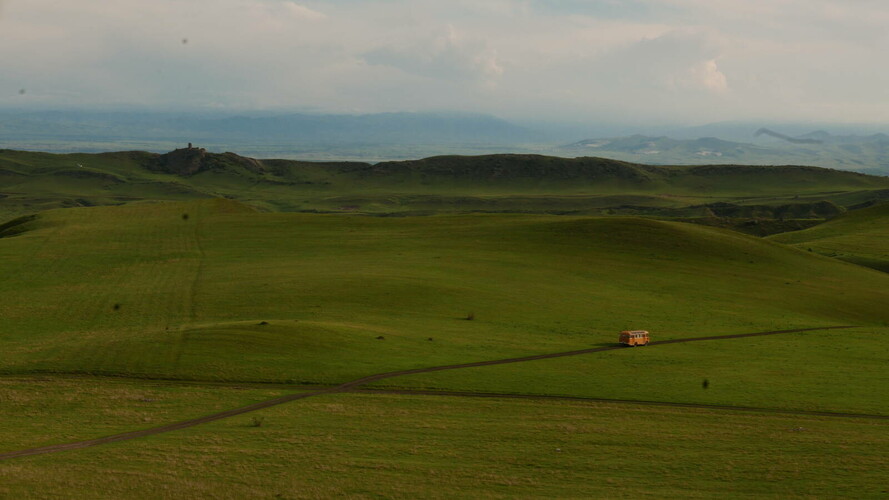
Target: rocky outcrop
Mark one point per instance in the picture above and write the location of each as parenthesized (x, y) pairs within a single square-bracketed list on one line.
[(191, 161)]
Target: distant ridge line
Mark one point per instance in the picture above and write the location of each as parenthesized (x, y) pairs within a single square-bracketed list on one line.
[(793, 140)]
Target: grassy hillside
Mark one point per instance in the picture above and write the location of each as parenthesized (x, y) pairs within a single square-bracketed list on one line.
[(99, 303), (213, 290), (31, 182), (860, 237)]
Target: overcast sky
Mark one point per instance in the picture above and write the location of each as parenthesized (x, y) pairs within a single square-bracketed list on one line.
[(685, 61)]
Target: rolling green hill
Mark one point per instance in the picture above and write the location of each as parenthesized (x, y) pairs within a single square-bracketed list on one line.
[(213, 290), (233, 306), (31, 182), (200, 287), (860, 237)]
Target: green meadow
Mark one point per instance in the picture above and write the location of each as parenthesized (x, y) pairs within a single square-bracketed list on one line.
[(162, 308), (405, 446), (216, 291), (45, 410)]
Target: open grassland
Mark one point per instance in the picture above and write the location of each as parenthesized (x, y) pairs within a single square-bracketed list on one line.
[(217, 295), (829, 371), (400, 446), (861, 237), (230, 294), (39, 411), (212, 290)]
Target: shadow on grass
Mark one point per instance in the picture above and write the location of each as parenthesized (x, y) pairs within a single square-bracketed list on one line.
[(605, 344)]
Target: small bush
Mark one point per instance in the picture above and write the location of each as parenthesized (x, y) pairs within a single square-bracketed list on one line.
[(184, 216), (256, 421)]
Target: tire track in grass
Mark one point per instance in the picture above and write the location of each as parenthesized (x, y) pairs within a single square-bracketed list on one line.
[(181, 332), (642, 402), (146, 260), (353, 384)]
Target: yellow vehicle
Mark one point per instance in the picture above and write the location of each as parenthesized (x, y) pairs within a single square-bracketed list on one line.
[(633, 338)]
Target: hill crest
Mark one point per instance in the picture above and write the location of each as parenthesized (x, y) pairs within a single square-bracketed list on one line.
[(32, 182), (191, 160)]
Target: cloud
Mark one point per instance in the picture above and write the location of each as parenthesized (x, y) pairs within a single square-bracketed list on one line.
[(677, 61), (302, 12), (694, 59), (447, 56), (708, 76)]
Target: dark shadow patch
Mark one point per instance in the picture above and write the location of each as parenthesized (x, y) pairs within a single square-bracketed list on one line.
[(17, 226)]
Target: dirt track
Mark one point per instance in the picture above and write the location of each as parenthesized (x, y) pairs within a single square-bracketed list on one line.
[(350, 386), (494, 395)]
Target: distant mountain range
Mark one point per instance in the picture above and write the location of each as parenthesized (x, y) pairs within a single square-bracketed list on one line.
[(400, 136), (792, 140), (868, 153)]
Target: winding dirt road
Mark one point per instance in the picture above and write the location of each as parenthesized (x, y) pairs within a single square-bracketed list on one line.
[(352, 385)]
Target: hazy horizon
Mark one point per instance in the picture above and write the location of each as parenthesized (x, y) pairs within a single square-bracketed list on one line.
[(638, 62)]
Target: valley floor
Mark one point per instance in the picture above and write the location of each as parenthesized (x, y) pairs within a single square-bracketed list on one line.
[(377, 443), (422, 446)]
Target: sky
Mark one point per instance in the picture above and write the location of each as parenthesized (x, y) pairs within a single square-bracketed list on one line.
[(644, 61)]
